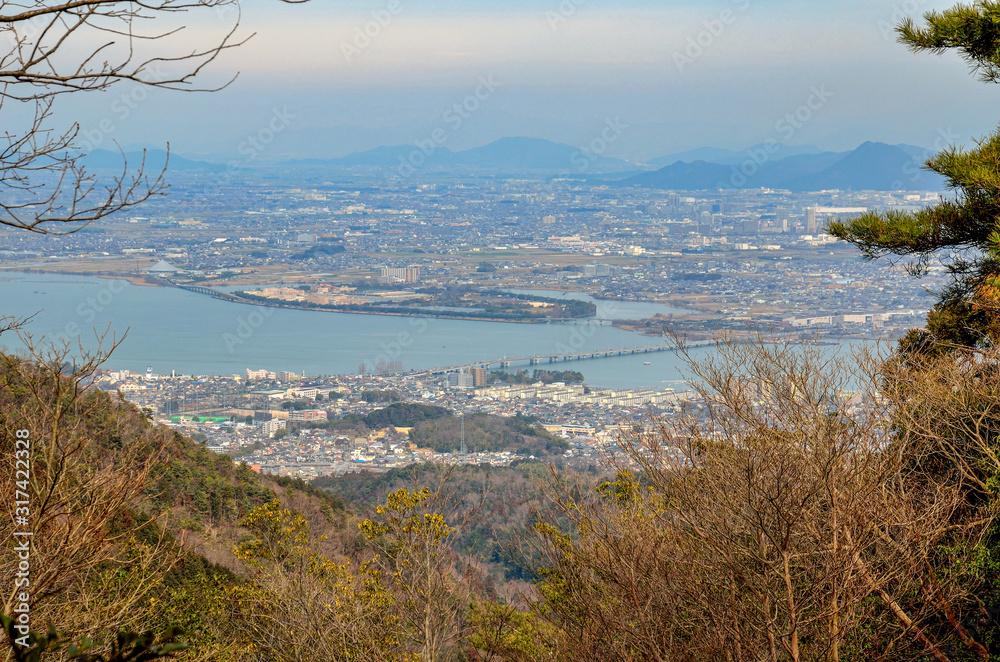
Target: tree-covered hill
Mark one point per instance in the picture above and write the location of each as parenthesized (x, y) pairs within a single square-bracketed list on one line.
[(486, 433), (506, 501), (133, 525)]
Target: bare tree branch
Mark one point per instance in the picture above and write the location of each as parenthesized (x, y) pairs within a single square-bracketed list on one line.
[(43, 180)]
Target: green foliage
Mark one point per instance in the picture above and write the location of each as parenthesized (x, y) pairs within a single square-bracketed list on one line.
[(304, 606), (972, 30), (623, 491), (381, 396), (208, 486), (333, 506), (951, 326), (509, 633), (544, 376), (403, 415), (126, 647), (969, 222), (514, 498), (296, 405), (403, 518), (964, 232), (487, 433)]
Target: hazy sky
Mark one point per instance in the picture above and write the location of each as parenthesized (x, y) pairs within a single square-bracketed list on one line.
[(674, 75)]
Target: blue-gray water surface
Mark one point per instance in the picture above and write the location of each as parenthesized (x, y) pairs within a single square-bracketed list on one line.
[(172, 329)]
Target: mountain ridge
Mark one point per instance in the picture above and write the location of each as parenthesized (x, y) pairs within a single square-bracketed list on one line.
[(872, 166), (518, 153)]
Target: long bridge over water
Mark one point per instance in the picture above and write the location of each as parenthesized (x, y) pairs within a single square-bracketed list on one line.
[(217, 294), (541, 359), (505, 362)]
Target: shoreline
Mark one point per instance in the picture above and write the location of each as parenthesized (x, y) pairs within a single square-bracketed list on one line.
[(460, 318)]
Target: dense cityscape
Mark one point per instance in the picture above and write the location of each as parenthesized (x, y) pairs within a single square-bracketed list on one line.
[(449, 331), (731, 258), (731, 263)]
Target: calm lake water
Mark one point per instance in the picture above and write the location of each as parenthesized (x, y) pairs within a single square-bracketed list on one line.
[(611, 309), (171, 329)]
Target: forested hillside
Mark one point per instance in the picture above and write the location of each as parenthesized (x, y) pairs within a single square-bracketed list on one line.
[(506, 502), (802, 508), (519, 435)]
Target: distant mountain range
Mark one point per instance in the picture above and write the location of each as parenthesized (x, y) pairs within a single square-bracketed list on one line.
[(728, 156), (515, 154), (872, 166), (103, 159)]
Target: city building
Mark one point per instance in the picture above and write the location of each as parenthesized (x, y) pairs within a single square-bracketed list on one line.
[(269, 428), (463, 380), (306, 416), (478, 377), (389, 275), (596, 270), (259, 375)]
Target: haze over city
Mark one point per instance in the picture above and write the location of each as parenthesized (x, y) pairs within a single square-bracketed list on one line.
[(525, 331), (680, 75)]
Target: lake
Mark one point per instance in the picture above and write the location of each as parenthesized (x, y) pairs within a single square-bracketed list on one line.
[(172, 329)]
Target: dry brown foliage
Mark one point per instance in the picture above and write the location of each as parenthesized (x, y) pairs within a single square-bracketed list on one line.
[(94, 554), (810, 509)]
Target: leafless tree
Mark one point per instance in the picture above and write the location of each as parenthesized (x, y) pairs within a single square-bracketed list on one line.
[(806, 510), (82, 466), (49, 48)]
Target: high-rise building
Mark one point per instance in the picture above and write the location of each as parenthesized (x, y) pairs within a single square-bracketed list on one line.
[(596, 270), (478, 377), (811, 220), (461, 379), (272, 426)]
